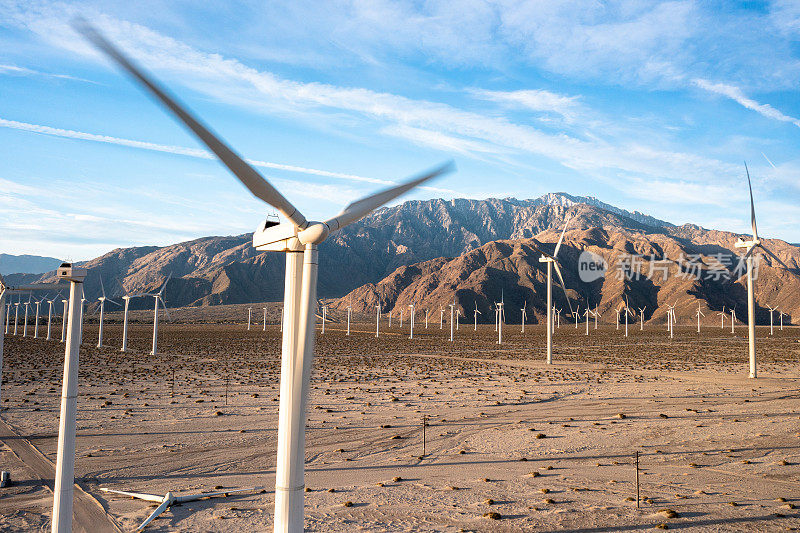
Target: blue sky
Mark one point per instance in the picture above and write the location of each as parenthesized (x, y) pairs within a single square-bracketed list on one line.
[(650, 106)]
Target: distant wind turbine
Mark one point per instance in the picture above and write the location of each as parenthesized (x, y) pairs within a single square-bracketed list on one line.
[(102, 299), (158, 297)]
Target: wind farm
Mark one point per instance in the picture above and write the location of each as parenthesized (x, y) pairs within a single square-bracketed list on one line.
[(332, 407)]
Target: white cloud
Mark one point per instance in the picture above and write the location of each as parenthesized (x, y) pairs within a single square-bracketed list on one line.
[(24, 71), (736, 94), (533, 99)]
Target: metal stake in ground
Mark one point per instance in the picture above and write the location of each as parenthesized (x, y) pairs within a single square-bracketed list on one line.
[(637, 479), (424, 423)]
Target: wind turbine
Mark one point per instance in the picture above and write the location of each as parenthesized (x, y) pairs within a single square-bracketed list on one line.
[(265, 319), (641, 317), (577, 314), (722, 318), (377, 320), (158, 297), (349, 310), (249, 315), (751, 245), (102, 299), (50, 314), (596, 314), (588, 313), (411, 334), (458, 314), (441, 316), (500, 321), (618, 313), (8, 314), (16, 314), (390, 318), (80, 318), (699, 314), (671, 318), (780, 314), (627, 313), (733, 320), (324, 318), (64, 320), (38, 303), (476, 313), (558, 318), (169, 499), (127, 298), (452, 307), (401, 318), (25, 327), (295, 235), (771, 310), (552, 261), (524, 305), (427, 311)]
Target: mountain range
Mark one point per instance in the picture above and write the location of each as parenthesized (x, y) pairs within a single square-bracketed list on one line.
[(476, 251)]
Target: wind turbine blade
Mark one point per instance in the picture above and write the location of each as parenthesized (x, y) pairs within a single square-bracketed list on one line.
[(137, 495), (195, 497), (561, 282), (164, 286), (752, 206), (560, 239), (360, 208), (164, 306), (160, 509), (109, 300), (775, 257), (541, 251), (250, 178)]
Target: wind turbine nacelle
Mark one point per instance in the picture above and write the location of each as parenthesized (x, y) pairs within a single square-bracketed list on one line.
[(70, 273), (271, 237)]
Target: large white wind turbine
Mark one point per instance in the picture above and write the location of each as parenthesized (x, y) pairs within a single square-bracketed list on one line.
[(751, 246), (102, 299), (552, 261), (641, 317), (158, 297), (291, 237), (377, 320), (475, 315)]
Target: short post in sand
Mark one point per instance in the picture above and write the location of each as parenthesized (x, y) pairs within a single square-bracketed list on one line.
[(65, 456), (637, 479)]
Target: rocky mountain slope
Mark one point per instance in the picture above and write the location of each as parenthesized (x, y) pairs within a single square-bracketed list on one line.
[(227, 270), (648, 267), (31, 264)]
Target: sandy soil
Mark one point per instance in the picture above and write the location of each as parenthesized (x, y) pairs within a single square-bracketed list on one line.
[(548, 448)]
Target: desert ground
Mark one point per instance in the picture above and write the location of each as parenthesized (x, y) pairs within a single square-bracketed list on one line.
[(512, 444)]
